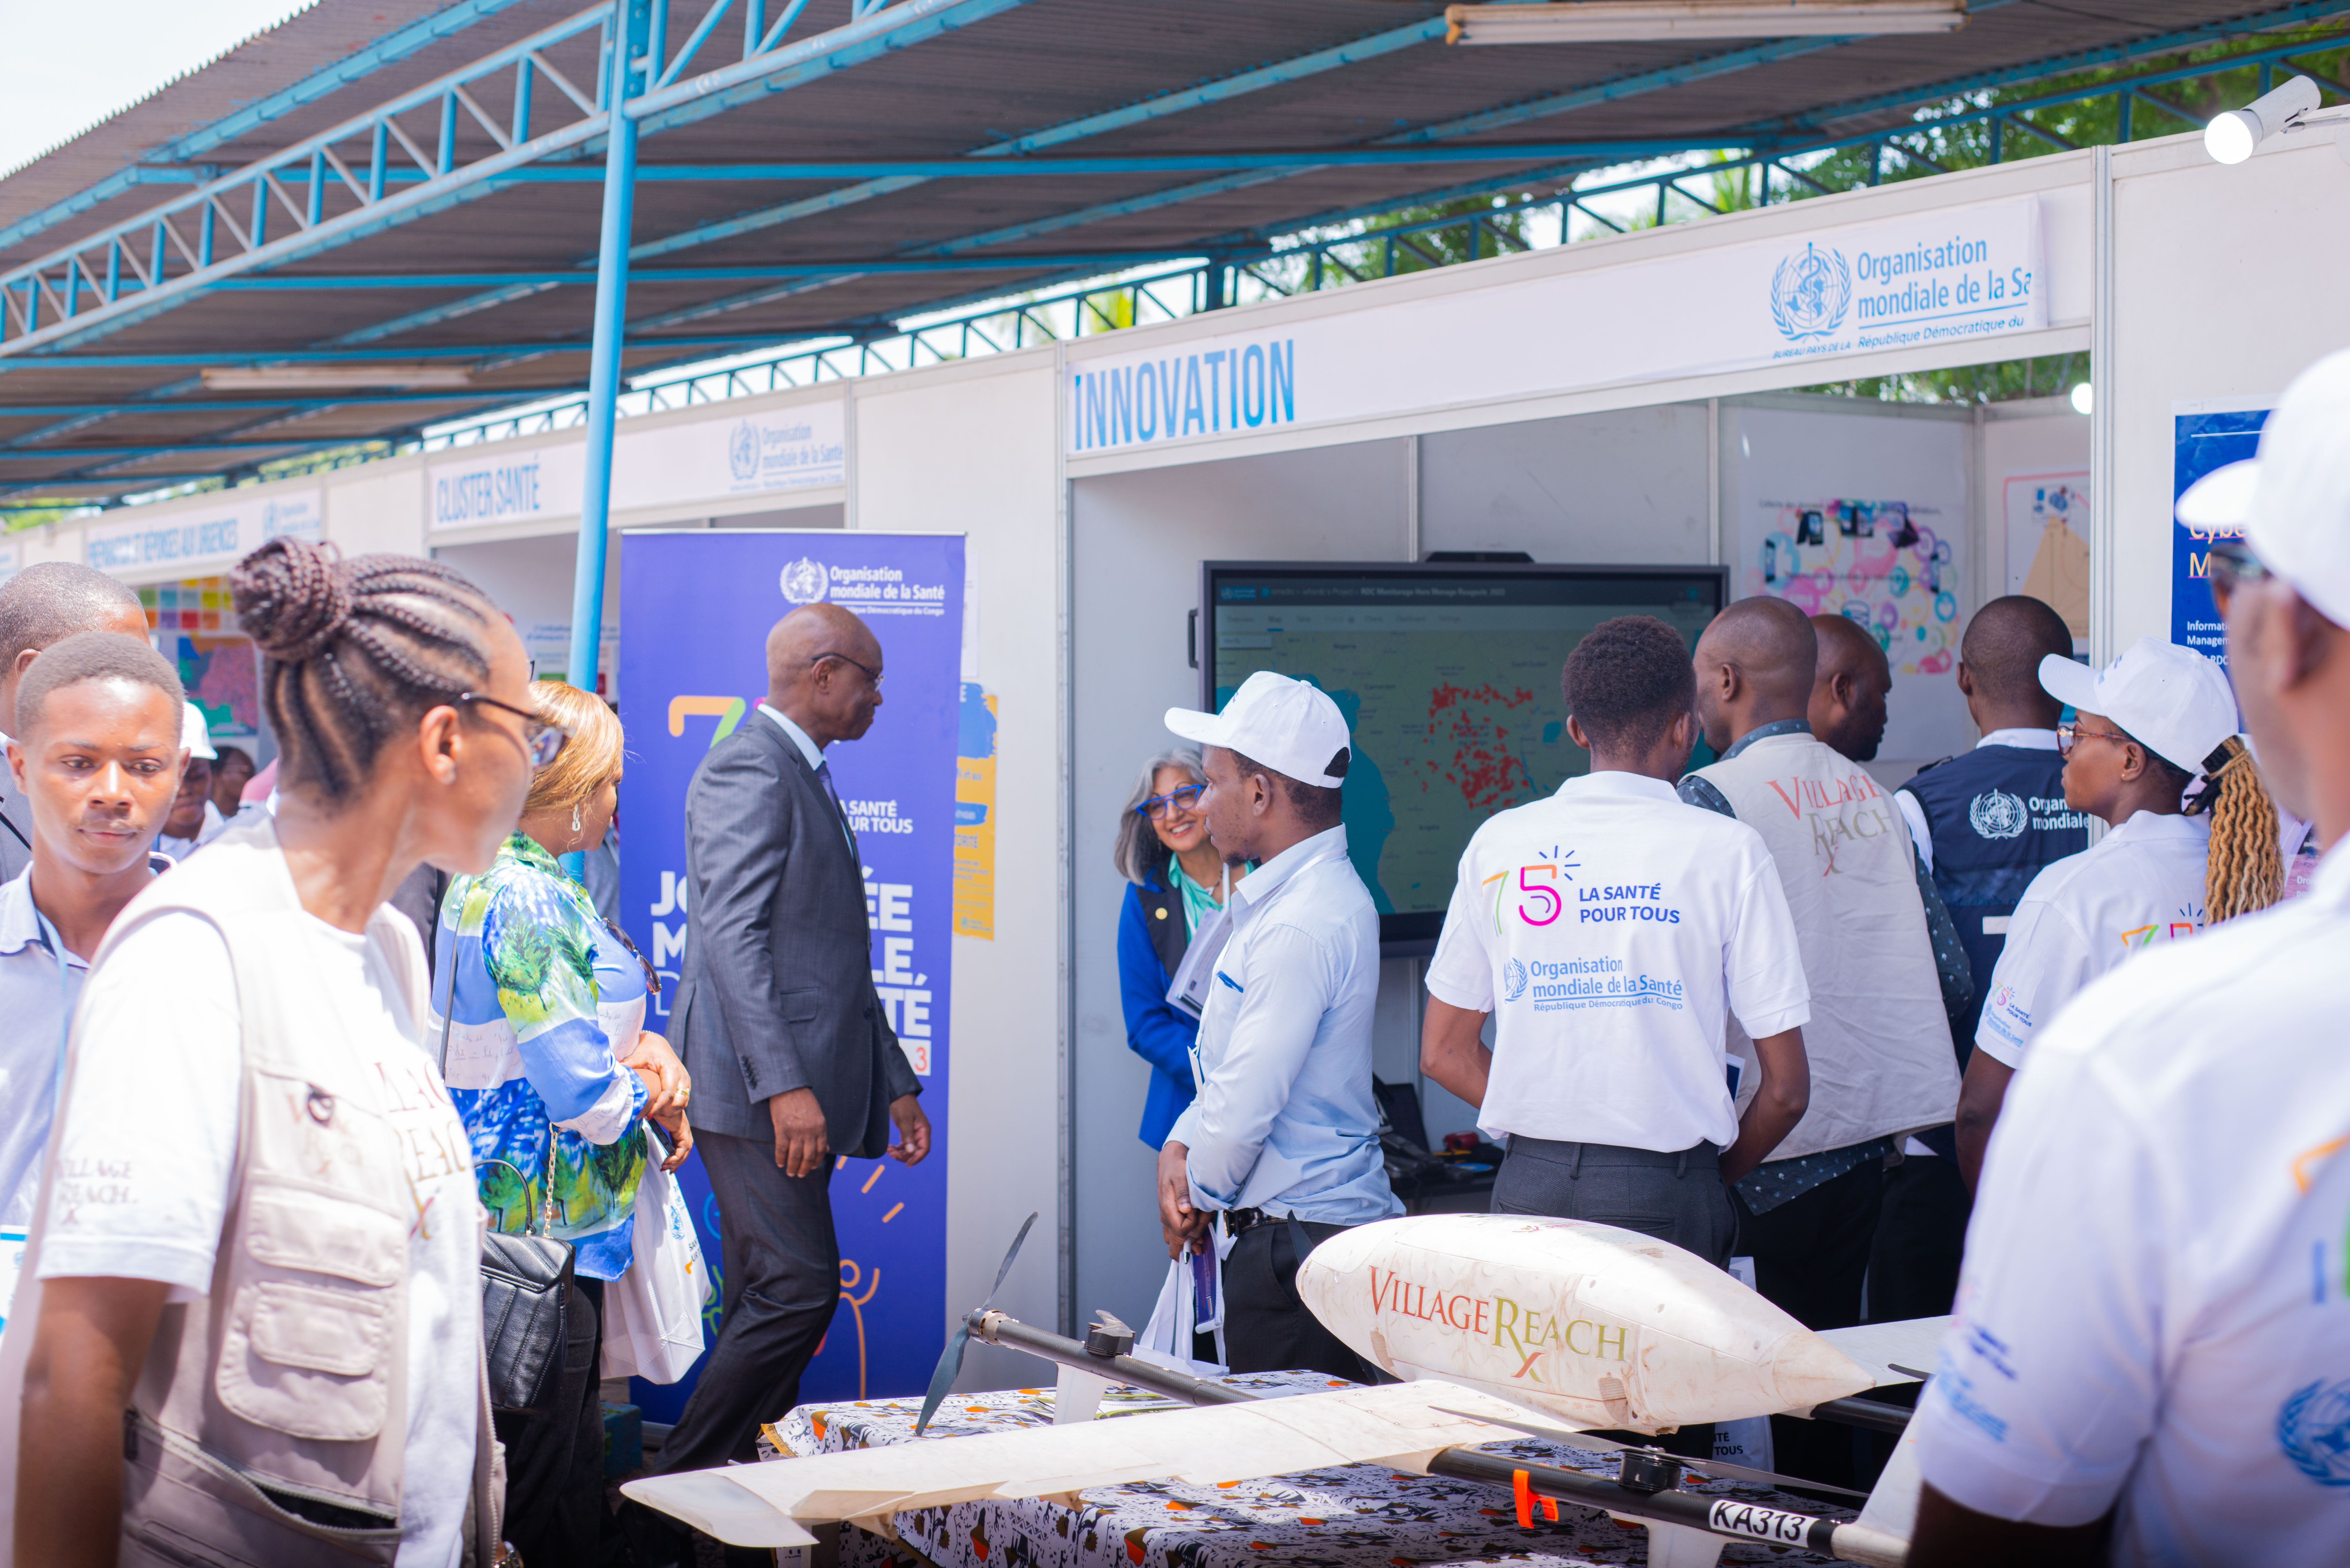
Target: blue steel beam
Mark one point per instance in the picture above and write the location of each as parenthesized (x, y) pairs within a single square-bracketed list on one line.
[(1610, 91), (628, 81), (878, 33), (361, 63), (2083, 60), (1158, 108), (363, 356), (263, 402), (300, 283), (220, 200)]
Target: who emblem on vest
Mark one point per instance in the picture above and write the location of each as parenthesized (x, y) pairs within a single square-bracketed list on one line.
[(1995, 814)]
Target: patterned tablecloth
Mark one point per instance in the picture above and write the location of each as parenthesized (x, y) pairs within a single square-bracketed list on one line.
[(1353, 1516)]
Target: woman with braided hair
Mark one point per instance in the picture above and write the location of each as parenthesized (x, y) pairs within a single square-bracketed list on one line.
[(249, 1328), (2144, 730)]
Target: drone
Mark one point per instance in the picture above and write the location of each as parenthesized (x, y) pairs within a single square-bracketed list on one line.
[(1498, 1327)]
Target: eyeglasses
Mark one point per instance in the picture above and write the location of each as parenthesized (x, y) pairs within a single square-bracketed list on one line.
[(2231, 564), (543, 740), (1186, 800), (872, 675), (2071, 735)]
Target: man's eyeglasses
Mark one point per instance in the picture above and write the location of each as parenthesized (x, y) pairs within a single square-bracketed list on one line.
[(1185, 800), (872, 675), (2071, 735), (543, 740), (2232, 565)]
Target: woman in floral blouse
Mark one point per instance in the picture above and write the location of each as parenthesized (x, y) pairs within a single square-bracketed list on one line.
[(552, 1070)]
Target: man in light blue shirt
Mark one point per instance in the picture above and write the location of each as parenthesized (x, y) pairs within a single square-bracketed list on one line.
[(96, 759), (1284, 1138)]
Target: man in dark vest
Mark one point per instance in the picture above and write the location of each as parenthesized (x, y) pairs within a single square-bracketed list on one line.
[(1985, 821)]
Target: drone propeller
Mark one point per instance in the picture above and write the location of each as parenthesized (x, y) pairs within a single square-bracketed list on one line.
[(950, 1361)]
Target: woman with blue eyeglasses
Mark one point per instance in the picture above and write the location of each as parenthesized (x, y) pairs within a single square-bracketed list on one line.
[(1176, 880)]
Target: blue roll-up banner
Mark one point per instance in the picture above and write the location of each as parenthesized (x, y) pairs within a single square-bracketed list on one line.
[(2204, 436), (695, 610)]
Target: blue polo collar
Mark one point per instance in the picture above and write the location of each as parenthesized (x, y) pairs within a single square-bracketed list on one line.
[(1765, 731)]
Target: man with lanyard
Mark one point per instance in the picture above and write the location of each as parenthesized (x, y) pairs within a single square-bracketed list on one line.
[(1877, 1041), (2141, 730), (1609, 930), (39, 606), (1913, 1263), (2151, 1361), (98, 764), (1283, 1140), (1985, 823)]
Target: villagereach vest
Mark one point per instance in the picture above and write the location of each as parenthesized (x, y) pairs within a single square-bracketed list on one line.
[(1878, 1043), (1998, 818), (270, 1423)]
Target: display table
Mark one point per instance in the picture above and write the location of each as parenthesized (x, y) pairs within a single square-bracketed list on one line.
[(1355, 1516)]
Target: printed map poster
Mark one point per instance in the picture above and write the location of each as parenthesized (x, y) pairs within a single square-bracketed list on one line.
[(1863, 515), (2205, 436), (695, 608)]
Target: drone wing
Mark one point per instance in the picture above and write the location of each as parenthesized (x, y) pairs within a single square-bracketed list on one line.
[(1401, 1424)]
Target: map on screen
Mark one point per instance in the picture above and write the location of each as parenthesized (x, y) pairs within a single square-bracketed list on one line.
[(1449, 681)]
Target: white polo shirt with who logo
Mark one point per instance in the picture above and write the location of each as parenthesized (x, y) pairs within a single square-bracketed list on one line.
[(1609, 929)]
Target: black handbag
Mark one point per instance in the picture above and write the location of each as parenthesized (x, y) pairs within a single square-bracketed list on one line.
[(526, 1315), (526, 1293)]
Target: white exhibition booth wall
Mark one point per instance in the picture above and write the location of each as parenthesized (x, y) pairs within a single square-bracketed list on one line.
[(1620, 401)]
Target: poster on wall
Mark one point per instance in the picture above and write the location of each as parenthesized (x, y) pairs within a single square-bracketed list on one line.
[(2204, 436), (2048, 544), (1864, 517), (695, 608)]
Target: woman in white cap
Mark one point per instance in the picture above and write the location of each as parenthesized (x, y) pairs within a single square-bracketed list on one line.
[(2145, 728)]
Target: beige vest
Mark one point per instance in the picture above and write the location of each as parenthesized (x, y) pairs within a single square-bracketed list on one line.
[(1878, 1042), (271, 1419)]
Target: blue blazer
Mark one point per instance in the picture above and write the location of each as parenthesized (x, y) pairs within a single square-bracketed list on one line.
[(1152, 933)]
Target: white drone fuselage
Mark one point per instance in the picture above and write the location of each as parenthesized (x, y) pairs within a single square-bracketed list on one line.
[(1589, 1324)]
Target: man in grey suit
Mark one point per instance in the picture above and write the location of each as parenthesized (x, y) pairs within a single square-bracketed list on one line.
[(791, 1052), (41, 605)]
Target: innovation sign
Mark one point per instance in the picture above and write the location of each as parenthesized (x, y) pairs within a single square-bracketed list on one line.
[(194, 543), (1947, 276)]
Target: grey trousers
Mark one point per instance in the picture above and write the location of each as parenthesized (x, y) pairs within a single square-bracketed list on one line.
[(782, 1287), (1676, 1197)]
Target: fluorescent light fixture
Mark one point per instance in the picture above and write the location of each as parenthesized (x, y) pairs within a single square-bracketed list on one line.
[(1644, 21), (2232, 137), (328, 377)]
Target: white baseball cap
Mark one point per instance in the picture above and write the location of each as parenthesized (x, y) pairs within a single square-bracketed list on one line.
[(2293, 501), (197, 735), (2170, 698), (1290, 726)]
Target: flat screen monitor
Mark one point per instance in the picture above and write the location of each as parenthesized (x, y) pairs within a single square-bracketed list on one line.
[(1448, 676)]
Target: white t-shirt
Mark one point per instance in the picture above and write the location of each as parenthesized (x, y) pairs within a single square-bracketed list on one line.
[(147, 1151), (2141, 886), (2155, 1308), (1613, 924)]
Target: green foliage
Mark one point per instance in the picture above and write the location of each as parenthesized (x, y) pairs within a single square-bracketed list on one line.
[(2046, 377)]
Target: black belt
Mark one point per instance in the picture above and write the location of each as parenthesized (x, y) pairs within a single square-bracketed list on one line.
[(1238, 1221)]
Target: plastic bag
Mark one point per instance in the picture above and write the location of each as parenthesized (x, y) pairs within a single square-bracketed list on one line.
[(653, 1314), (1191, 1301)]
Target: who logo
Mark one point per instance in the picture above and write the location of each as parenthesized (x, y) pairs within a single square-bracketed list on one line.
[(1810, 292), (743, 450)]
